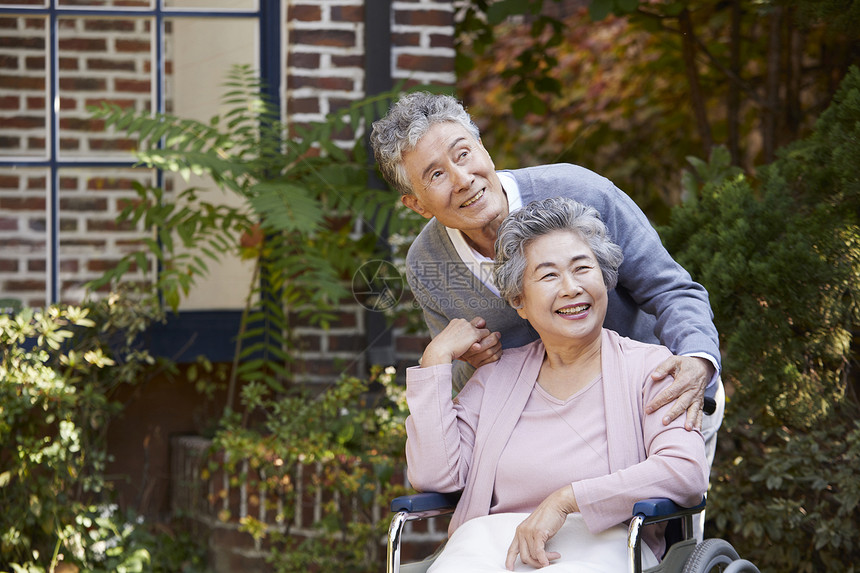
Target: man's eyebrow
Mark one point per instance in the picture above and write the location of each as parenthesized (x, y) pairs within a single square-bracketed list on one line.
[(432, 166)]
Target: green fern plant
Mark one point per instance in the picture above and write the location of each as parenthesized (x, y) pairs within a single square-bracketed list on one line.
[(303, 216)]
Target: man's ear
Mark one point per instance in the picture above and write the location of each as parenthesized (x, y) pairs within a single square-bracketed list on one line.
[(413, 203)]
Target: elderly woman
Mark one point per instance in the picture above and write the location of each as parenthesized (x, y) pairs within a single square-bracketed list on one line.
[(551, 445)]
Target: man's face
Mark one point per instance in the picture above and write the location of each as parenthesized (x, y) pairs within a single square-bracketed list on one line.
[(454, 180)]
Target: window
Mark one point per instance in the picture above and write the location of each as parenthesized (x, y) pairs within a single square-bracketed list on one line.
[(63, 176)]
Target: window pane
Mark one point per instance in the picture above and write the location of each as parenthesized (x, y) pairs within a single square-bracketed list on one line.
[(201, 52), (102, 60), (23, 235), (91, 240), (212, 4), (24, 96)]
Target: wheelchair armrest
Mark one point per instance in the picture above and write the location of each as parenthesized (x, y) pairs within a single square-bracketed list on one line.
[(425, 501), (661, 509)]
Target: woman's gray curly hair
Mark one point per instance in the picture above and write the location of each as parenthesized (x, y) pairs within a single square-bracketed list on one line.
[(406, 123), (539, 218)]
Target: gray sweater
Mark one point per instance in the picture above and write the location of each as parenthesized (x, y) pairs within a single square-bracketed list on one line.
[(656, 300)]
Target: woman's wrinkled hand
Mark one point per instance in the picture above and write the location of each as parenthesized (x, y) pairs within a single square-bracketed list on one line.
[(533, 533), (455, 340)]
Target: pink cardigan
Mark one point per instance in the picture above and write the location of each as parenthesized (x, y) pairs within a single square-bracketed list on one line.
[(450, 447)]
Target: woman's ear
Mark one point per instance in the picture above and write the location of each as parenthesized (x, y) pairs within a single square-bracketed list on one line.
[(517, 303), (412, 202)]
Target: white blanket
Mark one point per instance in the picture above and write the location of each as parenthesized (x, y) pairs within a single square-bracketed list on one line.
[(481, 545)]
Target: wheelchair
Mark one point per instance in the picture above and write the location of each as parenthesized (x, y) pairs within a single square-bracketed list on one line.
[(684, 554)]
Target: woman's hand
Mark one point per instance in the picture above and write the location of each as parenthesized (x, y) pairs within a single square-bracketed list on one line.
[(455, 340), (544, 522)]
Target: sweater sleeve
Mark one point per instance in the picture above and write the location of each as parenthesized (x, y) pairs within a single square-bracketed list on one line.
[(675, 468), (657, 283), (440, 431)]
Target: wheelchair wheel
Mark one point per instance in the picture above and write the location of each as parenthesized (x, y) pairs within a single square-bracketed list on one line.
[(711, 555)]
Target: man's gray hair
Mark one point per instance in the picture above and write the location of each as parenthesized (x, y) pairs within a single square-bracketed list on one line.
[(406, 123), (539, 218)]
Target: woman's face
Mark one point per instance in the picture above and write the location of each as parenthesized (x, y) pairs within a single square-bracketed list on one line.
[(564, 297)]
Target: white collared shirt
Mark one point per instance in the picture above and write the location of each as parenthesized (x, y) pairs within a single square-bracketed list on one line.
[(481, 266)]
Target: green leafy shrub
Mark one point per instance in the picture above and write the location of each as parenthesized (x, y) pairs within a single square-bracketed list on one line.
[(59, 370), (780, 257)]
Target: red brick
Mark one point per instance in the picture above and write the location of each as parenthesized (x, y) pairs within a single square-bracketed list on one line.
[(120, 102), (425, 63), (24, 285), (347, 13), (134, 86), (82, 124), (36, 265), (8, 224), (304, 13), (67, 183), (303, 105), (9, 62), (110, 64), (24, 122), (36, 102), (304, 60), (37, 183), (83, 45), (9, 181), (342, 84), (108, 225), (22, 203), (68, 103), (22, 43), (69, 63), (21, 83), (132, 46), (115, 25), (36, 143), (332, 38), (34, 63), (441, 41), (35, 23), (112, 144), (346, 343), (10, 102), (424, 18), (83, 84), (83, 204), (403, 39), (8, 266), (69, 265), (101, 265), (69, 144), (89, 243), (10, 142), (347, 61), (110, 184)]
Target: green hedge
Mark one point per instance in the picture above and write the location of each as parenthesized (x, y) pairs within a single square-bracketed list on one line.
[(780, 256)]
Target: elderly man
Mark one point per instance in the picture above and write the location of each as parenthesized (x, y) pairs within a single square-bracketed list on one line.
[(429, 149)]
